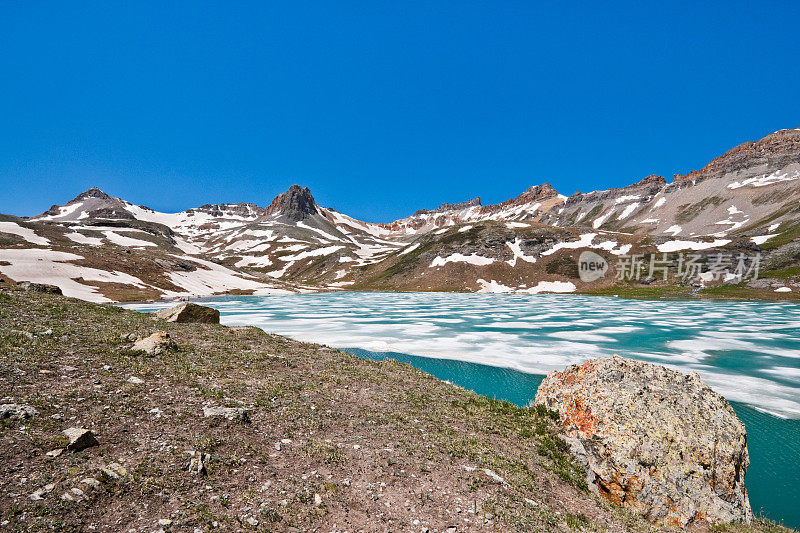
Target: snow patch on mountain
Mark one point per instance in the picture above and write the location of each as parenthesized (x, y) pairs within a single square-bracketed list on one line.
[(52, 267), (472, 259), (122, 240), (26, 233), (677, 246), (516, 249), (585, 241), (80, 238)]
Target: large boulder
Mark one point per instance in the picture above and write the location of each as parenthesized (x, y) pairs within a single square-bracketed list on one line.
[(653, 440), (189, 312), (39, 287)]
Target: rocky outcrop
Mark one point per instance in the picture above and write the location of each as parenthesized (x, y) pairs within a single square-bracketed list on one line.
[(189, 312), (474, 202), (295, 204), (242, 210), (776, 150), (653, 440)]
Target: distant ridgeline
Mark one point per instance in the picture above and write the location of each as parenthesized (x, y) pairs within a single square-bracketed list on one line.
[(728, 229)]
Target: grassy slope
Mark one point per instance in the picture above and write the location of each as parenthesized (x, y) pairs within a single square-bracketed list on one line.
[(382, 444)]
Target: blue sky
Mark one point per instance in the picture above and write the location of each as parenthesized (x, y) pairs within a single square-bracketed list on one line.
[(381, 108)]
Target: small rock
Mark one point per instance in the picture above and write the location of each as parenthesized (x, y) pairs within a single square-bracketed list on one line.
[(252, 521), (155, 344), (39, 494), (189, 312), (317, 500), (234, 414), (135, 380), (113, 471), (197, 462), (80, 438), (90, 482), (74, 494), (55, 453), (15, 411), (165, 522)]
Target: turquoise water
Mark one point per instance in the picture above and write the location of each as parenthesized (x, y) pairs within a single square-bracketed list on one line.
[(501, 345)]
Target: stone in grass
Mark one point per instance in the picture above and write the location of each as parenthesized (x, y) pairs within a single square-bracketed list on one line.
[(189, 312), (39, 494), (79, 439), (656, 441), (113, 472), (90, 483), (234, 414), (155, 344), (74, 494), (15, 411)]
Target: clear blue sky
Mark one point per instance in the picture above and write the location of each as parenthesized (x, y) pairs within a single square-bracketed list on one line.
[(381, 108)]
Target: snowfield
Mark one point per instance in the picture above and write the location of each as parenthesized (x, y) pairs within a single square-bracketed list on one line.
[(55, 268), (26, 233)]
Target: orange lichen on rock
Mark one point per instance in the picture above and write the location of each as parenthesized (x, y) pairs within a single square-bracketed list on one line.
[(653, 440)]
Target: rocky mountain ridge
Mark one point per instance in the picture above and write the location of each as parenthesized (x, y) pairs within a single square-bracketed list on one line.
[(745, 201)]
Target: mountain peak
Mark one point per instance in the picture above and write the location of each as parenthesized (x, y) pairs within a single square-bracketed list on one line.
[(536, 193), (296, 204), (94, 192)]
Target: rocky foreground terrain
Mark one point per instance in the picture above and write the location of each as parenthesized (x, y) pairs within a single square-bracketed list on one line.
[(730, 229), (114, 420)]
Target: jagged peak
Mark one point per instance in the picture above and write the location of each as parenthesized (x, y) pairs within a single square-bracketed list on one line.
[(296, 203)]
